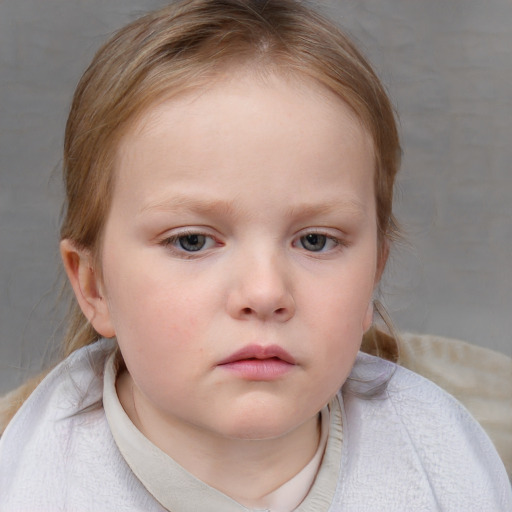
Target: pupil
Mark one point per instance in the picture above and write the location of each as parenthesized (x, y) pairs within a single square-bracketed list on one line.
[(312, 239), (314, 242), (192, 242)]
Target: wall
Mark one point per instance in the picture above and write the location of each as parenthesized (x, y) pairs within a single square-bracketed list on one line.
[(448, 68)]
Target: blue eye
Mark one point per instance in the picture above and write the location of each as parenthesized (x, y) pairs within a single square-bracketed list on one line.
[(189, 244), (313, 242), (318, 242), (192, 242)]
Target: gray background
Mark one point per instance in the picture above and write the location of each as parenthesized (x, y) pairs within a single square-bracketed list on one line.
[(448, 67)]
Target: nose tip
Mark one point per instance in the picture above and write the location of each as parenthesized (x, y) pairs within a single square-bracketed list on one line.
[(262, 292)]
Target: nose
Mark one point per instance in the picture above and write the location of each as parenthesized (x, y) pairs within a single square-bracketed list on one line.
[(261, 289)]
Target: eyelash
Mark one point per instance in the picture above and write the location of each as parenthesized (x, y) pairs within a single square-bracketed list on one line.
[(172, 242), (338, 243)]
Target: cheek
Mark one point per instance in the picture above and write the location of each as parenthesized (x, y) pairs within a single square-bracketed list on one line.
[(142, 293), (157, 318), (341, 305), (339, 314)]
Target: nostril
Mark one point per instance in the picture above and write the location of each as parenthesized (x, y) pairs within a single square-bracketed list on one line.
[(280, 311), (247, 311)]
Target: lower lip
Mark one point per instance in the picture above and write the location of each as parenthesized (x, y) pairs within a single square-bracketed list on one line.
[(259, 369)]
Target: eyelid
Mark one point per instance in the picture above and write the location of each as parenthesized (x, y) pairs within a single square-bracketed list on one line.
[(170, 240), (333, 233), (338, 238)]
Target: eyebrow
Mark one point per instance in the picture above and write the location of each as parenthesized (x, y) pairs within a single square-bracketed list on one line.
[(180, 203), (349, 206), (345, 205)]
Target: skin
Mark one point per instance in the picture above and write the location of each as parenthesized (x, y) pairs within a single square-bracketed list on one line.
[(259, 167)]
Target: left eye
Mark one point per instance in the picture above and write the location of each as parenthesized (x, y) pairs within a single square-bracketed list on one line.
[(316, 242), (192, 243)]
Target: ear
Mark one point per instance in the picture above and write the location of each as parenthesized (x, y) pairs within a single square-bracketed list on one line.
[(87, 287)]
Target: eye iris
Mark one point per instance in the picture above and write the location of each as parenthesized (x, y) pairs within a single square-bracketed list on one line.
[(313, 242), (192, 242)]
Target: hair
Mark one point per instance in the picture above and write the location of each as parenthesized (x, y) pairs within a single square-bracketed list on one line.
[(184, 46)]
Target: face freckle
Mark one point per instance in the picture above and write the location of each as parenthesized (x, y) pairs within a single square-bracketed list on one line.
[(276, 178)]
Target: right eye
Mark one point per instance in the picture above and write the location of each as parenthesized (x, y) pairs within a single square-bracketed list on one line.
[(189, 242)]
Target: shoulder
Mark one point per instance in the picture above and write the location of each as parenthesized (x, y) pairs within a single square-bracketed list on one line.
[(58, 453), (414, 401), (413, 441), (72, 386), (55, 414)]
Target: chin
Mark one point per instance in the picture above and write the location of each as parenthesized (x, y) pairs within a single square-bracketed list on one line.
[(256, 434), (263, 426)]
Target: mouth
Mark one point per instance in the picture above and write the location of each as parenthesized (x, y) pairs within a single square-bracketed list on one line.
[(259, 363), (259, 353)]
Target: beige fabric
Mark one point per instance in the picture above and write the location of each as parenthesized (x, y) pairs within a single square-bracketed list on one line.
[(479, 378)]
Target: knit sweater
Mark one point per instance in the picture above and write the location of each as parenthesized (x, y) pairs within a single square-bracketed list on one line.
[(410, 446)]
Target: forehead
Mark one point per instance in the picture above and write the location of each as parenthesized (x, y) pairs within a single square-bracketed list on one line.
[(242, 123), (232, 81)]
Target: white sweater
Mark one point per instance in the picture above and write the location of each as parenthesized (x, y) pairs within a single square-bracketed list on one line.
[(412, 448)]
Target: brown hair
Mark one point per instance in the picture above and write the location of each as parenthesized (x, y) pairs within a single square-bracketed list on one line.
[(182, 46)]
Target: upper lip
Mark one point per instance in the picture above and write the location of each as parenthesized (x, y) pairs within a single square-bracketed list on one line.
[(259, 352)]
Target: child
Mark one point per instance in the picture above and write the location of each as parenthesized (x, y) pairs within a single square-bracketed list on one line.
[(229, 168)]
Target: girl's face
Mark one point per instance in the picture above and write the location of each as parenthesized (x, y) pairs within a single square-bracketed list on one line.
[(240, 256)]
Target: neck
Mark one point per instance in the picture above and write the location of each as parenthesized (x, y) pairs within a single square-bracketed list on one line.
[(247, 470), (244, 469)]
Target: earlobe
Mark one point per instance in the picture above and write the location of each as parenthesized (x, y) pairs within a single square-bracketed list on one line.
[(87, 287)]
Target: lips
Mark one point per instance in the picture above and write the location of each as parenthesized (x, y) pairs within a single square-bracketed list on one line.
[(259, 363), (259, 352)]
